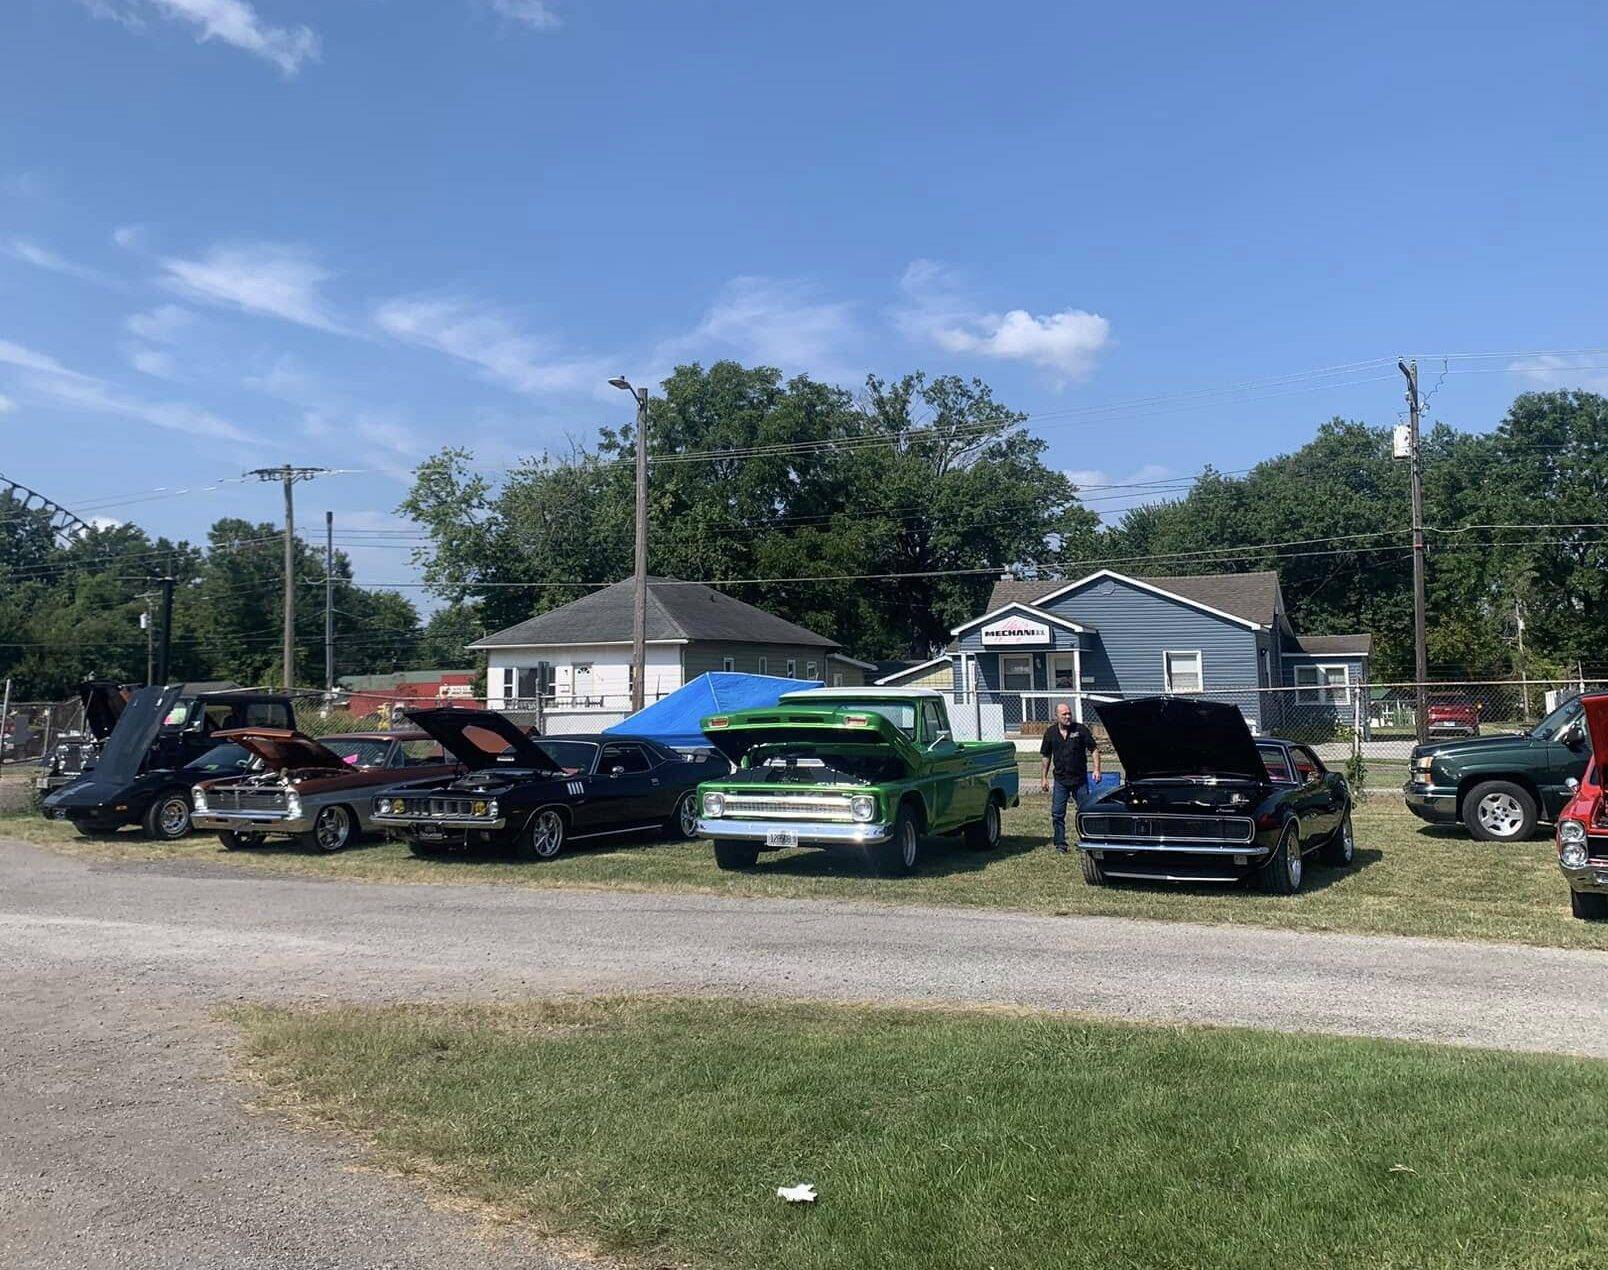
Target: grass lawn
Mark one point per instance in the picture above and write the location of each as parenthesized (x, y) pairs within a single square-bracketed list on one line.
[(659, 1130), (1408, 879)]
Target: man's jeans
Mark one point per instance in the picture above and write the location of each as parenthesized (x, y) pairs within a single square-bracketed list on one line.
[(1060, 793)]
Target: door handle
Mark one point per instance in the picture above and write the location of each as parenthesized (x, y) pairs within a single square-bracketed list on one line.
[(654, 781)]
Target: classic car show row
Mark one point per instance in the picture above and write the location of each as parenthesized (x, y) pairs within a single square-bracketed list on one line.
[(865, 771)]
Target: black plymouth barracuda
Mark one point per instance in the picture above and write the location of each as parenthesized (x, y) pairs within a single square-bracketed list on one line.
[(161, 748), (535, 795), (1205, 801)]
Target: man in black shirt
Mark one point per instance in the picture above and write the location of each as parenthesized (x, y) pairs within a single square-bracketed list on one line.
[(1066, 749)]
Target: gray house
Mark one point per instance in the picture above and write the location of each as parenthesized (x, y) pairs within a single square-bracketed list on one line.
[(579, 655), (1113, 634)]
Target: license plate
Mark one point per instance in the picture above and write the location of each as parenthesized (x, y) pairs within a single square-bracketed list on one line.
[(434, 834), (781, 837)]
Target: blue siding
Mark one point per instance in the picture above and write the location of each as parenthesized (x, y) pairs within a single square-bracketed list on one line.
[(1061, 639)]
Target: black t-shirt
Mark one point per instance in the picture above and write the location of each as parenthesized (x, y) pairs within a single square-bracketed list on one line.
[(1069, 754)]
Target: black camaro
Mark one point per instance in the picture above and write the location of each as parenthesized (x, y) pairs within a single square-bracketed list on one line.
[(535, 795), (1205, 801)]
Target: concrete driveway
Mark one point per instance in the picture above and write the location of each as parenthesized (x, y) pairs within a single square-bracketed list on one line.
[(124, 1142)]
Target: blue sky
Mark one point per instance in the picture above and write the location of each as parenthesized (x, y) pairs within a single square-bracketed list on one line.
[(347, 232)]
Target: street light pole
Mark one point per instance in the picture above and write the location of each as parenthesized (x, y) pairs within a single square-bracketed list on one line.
[(289, 475), (1416, 477), (639, 615)]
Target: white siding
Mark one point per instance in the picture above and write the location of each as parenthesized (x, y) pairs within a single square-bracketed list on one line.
[(610, 674)]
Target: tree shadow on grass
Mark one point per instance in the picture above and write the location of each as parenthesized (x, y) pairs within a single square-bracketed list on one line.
[(1316, 877), (940, 857)]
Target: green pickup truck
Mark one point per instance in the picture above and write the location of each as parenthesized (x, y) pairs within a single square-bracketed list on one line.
[(864, 769)]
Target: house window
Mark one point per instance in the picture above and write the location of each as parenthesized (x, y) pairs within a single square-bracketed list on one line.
[(508, 681), (728, 663), (1181, 671), (1326, 683), (1016, 672), (764, 665), (792, 668), (809, 670)]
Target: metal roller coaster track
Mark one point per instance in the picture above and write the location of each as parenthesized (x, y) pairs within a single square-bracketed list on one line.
[(64, 524)]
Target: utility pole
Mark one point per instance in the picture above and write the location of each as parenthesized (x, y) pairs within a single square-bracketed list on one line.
[(1524, 678), (639, 617), (148, 621), (288, 475), (329, 607), (165, 648), (1420, 637)]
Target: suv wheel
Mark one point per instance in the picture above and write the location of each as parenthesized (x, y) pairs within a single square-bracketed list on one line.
[(1499, 811)]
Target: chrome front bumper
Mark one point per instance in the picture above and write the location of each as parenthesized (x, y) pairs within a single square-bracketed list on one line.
[(1590, 876), (1176, 846), (249, 821), (811, 833), (437, 822)]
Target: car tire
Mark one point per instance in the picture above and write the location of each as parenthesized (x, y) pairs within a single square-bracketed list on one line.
[(683, 822), (1093, 870), (1285, 869), (1589, 906), (237, 839), (1341, 848), (735, 855), (168, 817), (901, 853), (984, 834), (544, 836), (334, 828), (1499, 811)]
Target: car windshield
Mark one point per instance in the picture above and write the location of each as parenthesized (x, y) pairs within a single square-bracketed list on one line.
[(1273, 759), (572, 756), (359, 752), (1557, 721), (222, 758), (899, 713)]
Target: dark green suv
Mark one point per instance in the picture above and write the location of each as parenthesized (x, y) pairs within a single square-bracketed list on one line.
[(1500, 786)]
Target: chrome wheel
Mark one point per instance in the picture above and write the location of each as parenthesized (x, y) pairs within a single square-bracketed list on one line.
[(991, 824), (333, 828), (687, 815), (174, 818), (1500, 815), (907, 844), (1293, 864), (546, 835), (1348, 841)]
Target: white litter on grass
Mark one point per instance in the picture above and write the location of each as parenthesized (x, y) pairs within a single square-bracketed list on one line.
[(803, 1193)]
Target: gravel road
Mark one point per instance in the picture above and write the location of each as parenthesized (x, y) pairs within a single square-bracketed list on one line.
[(124, 1143)]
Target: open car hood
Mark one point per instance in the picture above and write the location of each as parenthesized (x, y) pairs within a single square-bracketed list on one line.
[(123, 756), (851, 729), (1181, 736), (283, 750), (1596, 708), (104, 702), (484, 738)]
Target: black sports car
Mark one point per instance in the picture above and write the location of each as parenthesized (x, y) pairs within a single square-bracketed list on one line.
[(160, 748), (1205, 801), (535, 795)]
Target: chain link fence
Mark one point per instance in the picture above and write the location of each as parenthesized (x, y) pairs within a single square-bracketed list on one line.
[(29, 729)]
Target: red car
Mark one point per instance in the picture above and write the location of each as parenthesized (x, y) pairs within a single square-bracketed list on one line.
[(1583, 825), (1453, 716)]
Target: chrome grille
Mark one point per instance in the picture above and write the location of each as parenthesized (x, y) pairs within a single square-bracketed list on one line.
[(834, 807), (438, 807), (245, 798), (1139, 827)]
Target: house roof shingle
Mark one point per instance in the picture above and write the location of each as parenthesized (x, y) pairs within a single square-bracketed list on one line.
[(676, 611), (1335, 645), (1251, 596)]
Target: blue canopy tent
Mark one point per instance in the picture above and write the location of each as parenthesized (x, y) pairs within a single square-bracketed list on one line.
[(673, 720)]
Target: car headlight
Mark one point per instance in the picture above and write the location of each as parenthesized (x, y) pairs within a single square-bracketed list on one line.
[(1421, 766), (862, 807), (199, 799), (382, 806), (1571, 831), (714, 805), (1573, 855), (293, 807), (491, 809)]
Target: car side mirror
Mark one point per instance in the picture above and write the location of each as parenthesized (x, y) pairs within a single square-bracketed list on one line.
[(1573, 735), (1572, 784)]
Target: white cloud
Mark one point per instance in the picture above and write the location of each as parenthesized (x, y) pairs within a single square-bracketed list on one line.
[(233, 22), (89, 394), (6, 404), (1551, 371), (28, 359), (1110, 496), (1068, 342), (152, 361), (104, 522), (485, 337), (777, 322), (43, 258), (129, 237), (536, 14), (160, 325), (275, 279)]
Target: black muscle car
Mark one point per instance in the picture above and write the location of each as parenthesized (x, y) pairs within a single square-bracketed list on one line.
[(1205, 801), (160, 749), (535, 795)]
